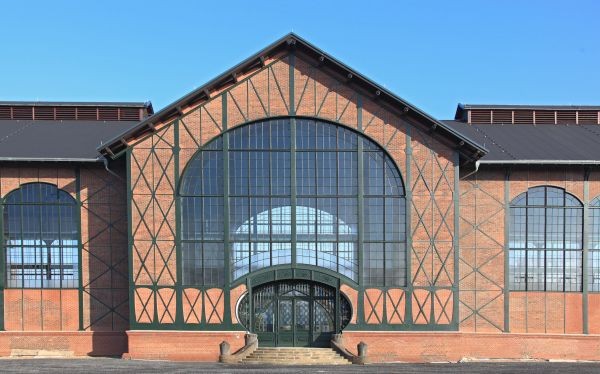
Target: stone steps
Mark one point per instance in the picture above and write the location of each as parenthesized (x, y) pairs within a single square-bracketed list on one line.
[(295, 356)]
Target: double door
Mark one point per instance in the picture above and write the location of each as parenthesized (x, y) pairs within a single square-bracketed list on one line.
[(294, 322), (294, 314)]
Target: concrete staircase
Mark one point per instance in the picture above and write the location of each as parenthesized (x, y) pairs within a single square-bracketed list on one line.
[(295, 356)]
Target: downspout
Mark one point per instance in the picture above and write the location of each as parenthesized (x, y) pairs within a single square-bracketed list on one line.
[(477, 163), (105, 162)]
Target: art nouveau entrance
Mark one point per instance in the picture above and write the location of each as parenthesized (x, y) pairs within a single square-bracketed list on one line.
[(294, 313)]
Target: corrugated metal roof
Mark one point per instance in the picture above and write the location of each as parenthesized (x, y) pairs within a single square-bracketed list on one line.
[(56, 140), (535, 143)]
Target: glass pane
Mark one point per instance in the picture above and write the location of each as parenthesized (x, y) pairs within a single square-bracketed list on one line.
[(306, 134), (261, 213), (536, 196), (517, 270), (280, 173), (573, 271), (191, 260), (536, 227), (306, 182), (574, 228), (326, 173), (238, 172), (348, 173), (214, 264), (286, 315), (373, 258), (395, 219), (326, 136), (41, 238), (373, 173), (535, 270), (395, 265), (347, 139), (302, 315), (555, 196), (594, 271), (518, 228), (374, 219), (259, 173)]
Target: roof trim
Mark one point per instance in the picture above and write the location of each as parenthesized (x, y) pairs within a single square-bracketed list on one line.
[(540, 162), (134, 104), (529, 106), (50, 159), (284, 43)]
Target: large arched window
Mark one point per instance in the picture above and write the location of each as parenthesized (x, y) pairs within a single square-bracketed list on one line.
[(303, 187), (546, 241), (594, 247), (41, 237)]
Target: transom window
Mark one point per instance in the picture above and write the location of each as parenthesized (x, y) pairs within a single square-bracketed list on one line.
[(546, 241), (41, 238), (307, 197)]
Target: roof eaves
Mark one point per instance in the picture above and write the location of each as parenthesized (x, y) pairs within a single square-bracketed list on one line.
[(50, 159), (539, 162), (173, 109)]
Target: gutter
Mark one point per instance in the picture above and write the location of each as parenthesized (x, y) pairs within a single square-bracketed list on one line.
[(105, 161), (49, 159), (539, 162), (477, 163)]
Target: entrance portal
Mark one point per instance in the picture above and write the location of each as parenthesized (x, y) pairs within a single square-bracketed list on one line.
[(294, 313)]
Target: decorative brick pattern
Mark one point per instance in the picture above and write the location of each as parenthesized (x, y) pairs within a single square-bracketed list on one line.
[(103, 257), (482, 252)]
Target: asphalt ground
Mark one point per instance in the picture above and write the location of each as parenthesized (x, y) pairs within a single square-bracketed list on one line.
[(107, 365)]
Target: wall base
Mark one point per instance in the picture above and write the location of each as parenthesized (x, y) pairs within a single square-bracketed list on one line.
[(453, 346), (181, 345), (62, 343)]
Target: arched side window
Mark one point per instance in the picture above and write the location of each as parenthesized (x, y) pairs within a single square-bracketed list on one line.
[(41, 238), (546, 241), (287, 197), (594, 247)]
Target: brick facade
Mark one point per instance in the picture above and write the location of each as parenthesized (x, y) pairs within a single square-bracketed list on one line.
[(456, 303), (91, 319)]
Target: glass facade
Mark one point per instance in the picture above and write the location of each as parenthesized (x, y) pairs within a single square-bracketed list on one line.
[(304, 198), (41, 238), (546, 241)]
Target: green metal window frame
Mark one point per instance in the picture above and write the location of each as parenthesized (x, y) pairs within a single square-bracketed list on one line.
[(293, 197), (563, 250), (73, 202)]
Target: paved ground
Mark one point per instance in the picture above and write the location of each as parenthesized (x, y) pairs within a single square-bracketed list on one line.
[(107, 365)]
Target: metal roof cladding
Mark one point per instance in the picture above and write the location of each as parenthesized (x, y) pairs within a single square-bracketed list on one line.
[(528, 143), (27, 140)]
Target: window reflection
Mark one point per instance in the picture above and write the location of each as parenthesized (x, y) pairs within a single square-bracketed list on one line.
[(263, 220), (546, 241), (41, 238), (594, 246)]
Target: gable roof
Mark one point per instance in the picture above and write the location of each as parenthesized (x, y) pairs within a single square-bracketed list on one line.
[(291, 41)]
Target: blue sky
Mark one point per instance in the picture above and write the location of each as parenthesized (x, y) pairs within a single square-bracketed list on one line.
[(432, 53)]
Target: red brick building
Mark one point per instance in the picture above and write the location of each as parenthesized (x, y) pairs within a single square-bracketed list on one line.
[(293, 198)]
